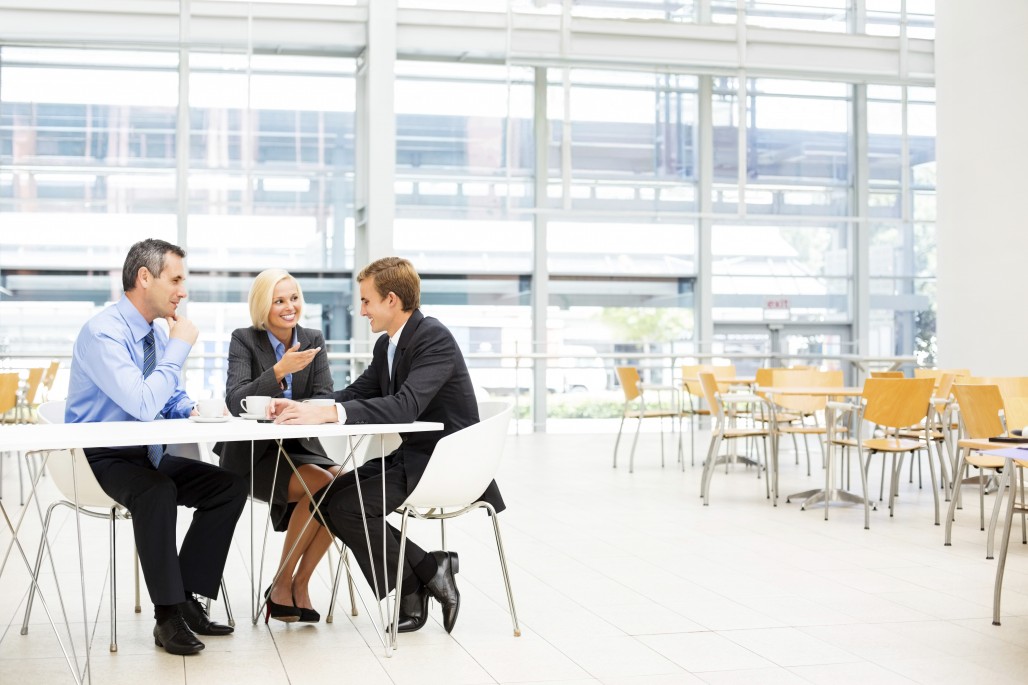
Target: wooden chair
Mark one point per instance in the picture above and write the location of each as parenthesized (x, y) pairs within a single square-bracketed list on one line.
[(48, 381), (937, 374), (721, 430), (27, 399), (635, 407), (887, 374), (893, 404), (805, 408), (8, 404), (693, 405), (1016, 413), (981, 411)]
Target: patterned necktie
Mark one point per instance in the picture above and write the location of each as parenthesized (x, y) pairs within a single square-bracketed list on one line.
[(154, 452), (389, 355)]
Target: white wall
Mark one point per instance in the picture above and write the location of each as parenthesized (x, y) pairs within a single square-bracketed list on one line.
[(981, 60)]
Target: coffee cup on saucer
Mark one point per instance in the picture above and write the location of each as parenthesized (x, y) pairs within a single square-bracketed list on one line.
[(256, 404), (210, 409)]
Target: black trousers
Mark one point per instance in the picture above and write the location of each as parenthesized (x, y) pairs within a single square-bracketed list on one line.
[(342, 510), (153, 495)]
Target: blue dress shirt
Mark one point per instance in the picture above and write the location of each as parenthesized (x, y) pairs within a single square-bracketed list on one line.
[(107, 382), (280, 350)]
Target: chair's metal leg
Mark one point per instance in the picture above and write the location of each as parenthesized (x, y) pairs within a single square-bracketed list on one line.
[(228, 604), (114, 584), (951, 513), (617, 441), (21, 480), (391, 628), (635, 441), (990, 540), (935, 483), (997, 589), (349, 582), (863, 484), (335, 589), (135, 557), (35, 570), (715, 444), (503, 567)]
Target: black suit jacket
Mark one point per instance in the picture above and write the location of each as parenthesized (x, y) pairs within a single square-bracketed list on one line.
[(250, 372), (430, 383)]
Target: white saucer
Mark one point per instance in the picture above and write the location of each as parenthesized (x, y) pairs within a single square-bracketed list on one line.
[(211, 419), (252, 417)]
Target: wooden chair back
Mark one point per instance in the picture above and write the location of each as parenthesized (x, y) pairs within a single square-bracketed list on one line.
[(937, 374), (708, 381), (980, 407), (897, 402), (628, 376), (944, 385), (1009, 386), (769, 378), (32, 384), (807, 404), (8, 392), (48, 379), (691, 374), (887, 374), (1016, 409)]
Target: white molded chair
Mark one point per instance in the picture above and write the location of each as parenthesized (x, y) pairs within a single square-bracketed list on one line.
[(461, 468), (70, 472)]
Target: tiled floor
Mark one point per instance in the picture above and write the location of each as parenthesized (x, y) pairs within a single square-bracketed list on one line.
[(620, 579)]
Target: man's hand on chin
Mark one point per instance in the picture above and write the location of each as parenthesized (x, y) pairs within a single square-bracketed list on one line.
[(290, 411)]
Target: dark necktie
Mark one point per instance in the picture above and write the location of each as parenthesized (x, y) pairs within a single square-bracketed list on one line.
[(154, 452)]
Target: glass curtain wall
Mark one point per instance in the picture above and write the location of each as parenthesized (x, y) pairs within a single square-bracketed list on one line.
[(89, 163), (88, 156)]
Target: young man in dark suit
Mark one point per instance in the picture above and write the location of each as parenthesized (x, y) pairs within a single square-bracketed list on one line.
[(417, 373)]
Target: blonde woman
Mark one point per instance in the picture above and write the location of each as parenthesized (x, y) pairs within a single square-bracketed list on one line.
[(279, 358)]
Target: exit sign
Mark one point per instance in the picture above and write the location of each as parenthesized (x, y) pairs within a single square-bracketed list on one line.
[(776, 309)]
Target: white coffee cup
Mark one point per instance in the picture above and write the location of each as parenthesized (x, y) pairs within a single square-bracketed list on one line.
[(256, 404), (210, 409), (321, 402)]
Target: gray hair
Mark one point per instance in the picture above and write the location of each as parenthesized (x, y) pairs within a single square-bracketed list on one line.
[(149, 253)]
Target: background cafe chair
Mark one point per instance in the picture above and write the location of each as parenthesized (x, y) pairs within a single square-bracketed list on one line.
[(722, 430), (635, 407), (70, 472), (803, 410), (981, 418), (8, 403), (461, 468), (893, 404), (693, 404)]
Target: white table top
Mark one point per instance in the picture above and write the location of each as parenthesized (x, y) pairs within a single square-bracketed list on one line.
[(22, 438)]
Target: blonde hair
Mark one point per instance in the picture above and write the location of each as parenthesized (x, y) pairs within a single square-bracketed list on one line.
[(262, 293), (396, 275)]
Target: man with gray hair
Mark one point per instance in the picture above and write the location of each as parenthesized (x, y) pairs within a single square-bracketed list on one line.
[(124, 368)]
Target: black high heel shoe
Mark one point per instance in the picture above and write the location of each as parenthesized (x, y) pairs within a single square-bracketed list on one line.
[(279, 612), (307, 615)]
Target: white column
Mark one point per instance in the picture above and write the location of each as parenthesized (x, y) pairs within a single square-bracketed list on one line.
[(981, 60), (376, 137)]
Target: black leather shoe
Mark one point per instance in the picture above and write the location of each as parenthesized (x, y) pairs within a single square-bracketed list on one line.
[(198, 620), (413, 611), (176, 638), (443, 586)]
